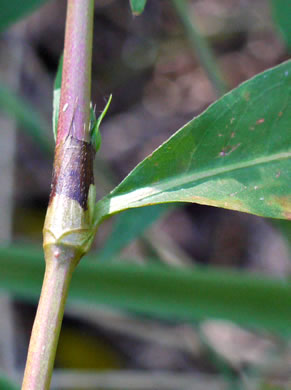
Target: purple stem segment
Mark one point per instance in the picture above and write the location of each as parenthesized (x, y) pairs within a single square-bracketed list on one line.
[(74, 117)]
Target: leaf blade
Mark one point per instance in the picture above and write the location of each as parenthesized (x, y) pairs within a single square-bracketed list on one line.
[(165, 292), (26, 116), (235, 155), (130, 225)]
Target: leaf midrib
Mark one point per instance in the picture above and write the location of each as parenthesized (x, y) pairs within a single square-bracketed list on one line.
[(123, 201)]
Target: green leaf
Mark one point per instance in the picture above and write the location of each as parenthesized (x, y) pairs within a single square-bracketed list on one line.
[(26, 116), (12, 10), (281, 10), (129, 226), (235, 155), (164, 292), (6, 384), (137, 6)]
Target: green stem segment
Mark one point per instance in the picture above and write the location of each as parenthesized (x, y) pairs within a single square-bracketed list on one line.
[(68, 230), (201, 48), (47, 324)]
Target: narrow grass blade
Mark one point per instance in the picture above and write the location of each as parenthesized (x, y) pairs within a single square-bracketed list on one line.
[(164, 292), (26, 116), (129, 226)]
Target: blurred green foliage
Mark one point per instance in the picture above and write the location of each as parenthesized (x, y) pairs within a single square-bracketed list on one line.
[(189, 294), (137, 6), (27, 117), (13, 10), (281, 10), (129, 226), (6, 384)]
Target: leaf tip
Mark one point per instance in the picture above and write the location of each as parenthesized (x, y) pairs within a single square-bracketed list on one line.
[(137, 6)]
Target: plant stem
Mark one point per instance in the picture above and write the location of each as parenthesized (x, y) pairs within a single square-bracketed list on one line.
[(76, 77), (47, 324), (67, 230), (201, 47)]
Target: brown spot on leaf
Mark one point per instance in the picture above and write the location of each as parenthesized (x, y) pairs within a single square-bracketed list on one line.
[(285, 203), (228, 149), (260, 121), (280, 113), (73, 170), (246, 96)]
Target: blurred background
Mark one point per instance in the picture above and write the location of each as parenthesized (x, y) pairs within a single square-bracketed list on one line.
[(153, 66)]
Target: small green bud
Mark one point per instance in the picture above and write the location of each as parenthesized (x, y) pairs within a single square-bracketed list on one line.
[(95, 131)]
